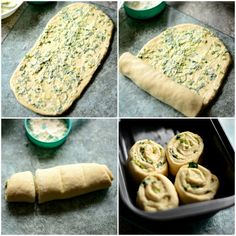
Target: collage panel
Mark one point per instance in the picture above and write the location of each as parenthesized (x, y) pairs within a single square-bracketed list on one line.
[(118, 153), (60, 58), (65, 189), (176, 176), (177, 63)]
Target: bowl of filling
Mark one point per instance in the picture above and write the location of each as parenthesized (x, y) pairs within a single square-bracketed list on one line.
[(48, 133), (8, 7), (144, 9)]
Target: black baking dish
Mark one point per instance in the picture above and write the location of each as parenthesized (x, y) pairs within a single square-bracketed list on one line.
[(218, 156)]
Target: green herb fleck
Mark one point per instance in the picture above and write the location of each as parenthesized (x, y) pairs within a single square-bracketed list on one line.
[(156, 190), (178, 136), (192, 165), (194, 186), (142, 150)]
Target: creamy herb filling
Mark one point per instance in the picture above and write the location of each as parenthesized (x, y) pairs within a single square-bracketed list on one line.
[(179, 56), (67, 51), (47, 130)]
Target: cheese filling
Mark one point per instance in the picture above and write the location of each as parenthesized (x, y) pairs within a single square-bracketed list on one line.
[(192, 57), (142, 5), (47, 130)]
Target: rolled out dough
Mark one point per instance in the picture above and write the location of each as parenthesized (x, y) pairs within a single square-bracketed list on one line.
[(53, 74), (190, 56)]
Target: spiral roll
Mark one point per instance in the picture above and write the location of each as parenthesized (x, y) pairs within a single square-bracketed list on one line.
[(146, 157), (195, 183), (183, 148), (157, 193)]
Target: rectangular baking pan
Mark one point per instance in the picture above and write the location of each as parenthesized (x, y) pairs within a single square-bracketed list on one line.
[(218, 156)]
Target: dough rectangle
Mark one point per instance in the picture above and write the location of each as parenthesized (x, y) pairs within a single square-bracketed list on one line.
[(53, 74)]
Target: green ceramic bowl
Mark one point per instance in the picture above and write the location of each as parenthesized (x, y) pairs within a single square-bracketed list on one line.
[(52, 144), (145, 13)]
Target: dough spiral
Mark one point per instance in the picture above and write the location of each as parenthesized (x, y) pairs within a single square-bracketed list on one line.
[(183, 148), (157, 193), (195, 183), (146, 157)]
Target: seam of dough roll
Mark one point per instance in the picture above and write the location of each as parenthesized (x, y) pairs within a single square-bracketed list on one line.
[(160, 86), (58, 182), (63, 60)]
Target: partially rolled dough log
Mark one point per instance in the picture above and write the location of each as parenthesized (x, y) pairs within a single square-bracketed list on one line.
[(20, 187), (190, 56), (160, 86), (59, 182)]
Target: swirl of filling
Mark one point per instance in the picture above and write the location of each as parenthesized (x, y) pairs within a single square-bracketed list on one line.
[(157, 193), (195, 183), (183, 148), (146, 157)]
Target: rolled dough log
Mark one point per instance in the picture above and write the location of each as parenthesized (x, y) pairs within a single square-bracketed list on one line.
[(71, 180), (59, 182), (20, 187), (160, 86)]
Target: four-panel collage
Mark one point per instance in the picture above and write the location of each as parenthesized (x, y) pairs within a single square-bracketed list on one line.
[(117, 117)]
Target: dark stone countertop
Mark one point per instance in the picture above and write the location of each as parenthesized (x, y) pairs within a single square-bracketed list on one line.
[(92, 213)]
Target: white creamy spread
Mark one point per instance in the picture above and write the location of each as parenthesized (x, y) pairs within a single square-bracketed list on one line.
[(47, 130), (142, 5), (188, 54), (7, 5)]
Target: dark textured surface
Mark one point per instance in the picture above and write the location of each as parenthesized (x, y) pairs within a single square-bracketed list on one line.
[(220, 223), (98, 98), (93, 213), (133, 35), (222, 14)]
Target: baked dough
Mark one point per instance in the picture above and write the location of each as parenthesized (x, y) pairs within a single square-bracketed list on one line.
[(59, 182), (63, 60), (68, 181), (146, 157), (157, 193), (189, 55), (183, 148), (20, 187), (195, 183)]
